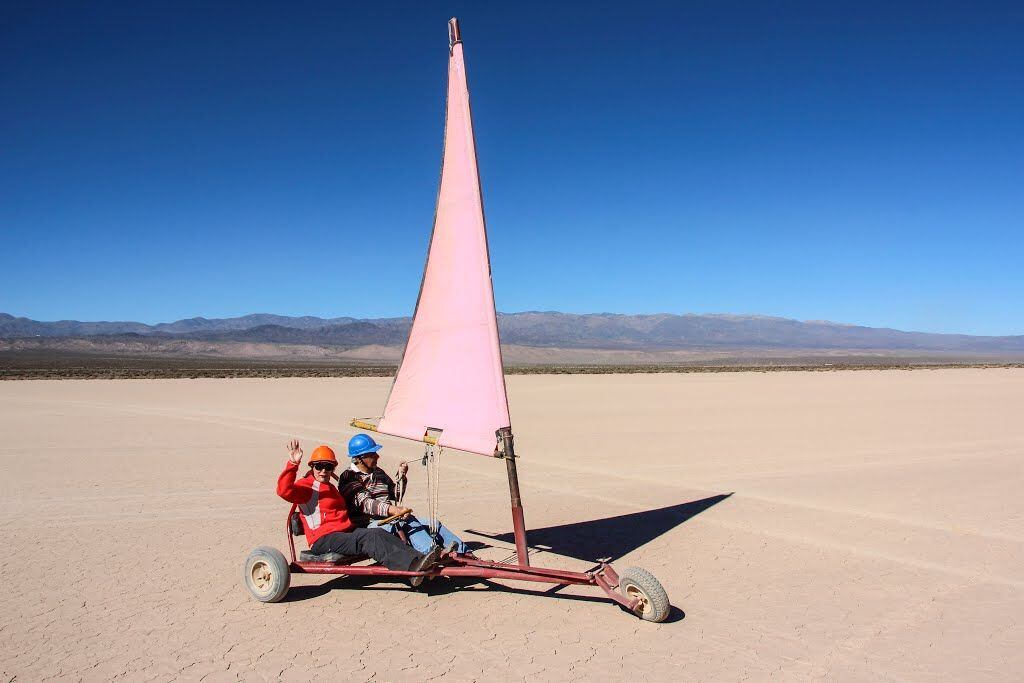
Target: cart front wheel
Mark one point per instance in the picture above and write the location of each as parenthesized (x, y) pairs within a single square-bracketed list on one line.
[(266, 574), (652, 600)]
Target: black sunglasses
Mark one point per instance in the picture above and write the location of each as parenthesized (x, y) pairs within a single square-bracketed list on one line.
[(323, 466)]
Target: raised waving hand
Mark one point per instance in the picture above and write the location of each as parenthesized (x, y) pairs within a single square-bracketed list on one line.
[(295, 451)]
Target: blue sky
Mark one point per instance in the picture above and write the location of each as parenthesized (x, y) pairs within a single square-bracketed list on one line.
[(856, 162)]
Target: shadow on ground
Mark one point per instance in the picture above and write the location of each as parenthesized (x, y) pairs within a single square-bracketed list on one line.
[(609, 538)]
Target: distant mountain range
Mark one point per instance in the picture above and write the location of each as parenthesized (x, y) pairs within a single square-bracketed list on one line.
[(530, 329)]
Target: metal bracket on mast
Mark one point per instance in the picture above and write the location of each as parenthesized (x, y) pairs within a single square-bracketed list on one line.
[(454, 34)]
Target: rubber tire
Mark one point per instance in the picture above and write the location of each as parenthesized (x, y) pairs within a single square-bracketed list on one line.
[(641, 580), (280, 574)]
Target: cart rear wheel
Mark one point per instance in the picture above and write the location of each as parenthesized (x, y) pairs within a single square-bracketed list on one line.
[(266, 574), (640, 584)]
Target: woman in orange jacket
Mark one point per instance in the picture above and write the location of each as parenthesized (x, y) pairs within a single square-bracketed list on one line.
[(325, 516)]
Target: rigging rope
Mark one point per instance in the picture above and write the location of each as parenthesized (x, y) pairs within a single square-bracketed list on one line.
[(432, 461), (401, 484)]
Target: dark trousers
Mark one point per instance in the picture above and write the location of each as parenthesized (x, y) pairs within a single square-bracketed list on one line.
[(375, 543)]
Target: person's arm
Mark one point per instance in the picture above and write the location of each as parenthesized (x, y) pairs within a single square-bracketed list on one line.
[(384, 480), (286, 487), (395, 509), (394, 502)]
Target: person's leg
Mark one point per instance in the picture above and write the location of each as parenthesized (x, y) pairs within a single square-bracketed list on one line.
[(392, 528), (420, 537), (447, 538), (418, 534), (374, 543), (375, 524), (336, 542), (385, 548)]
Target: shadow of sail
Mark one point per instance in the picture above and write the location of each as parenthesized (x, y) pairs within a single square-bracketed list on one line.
[(609, 538)]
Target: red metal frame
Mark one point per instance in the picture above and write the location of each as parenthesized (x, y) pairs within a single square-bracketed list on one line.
[(604, 577)]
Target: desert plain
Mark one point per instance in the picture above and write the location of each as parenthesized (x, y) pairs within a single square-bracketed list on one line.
[(843, 525)]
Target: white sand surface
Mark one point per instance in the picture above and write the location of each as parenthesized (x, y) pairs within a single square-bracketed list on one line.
[(874, 531)]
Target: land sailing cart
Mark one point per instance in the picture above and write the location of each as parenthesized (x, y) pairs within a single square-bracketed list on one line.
[(449, 391)]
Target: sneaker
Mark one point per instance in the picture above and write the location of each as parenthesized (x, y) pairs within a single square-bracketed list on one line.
[(427, 561), (449, 550)]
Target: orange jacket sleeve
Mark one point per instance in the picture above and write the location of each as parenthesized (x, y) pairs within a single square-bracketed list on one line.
[(287, 489)]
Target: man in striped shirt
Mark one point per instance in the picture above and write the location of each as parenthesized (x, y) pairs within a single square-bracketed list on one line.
[(372, 495)]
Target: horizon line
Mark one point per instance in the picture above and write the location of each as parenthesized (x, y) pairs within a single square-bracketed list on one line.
[(500, 313)]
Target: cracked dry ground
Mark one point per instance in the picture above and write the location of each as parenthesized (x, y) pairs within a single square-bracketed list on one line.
[(874, 532)]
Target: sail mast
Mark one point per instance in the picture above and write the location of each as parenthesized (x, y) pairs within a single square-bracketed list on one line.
[(451, 383)]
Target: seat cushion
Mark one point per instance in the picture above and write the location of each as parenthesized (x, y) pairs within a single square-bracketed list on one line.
[(332, 558)]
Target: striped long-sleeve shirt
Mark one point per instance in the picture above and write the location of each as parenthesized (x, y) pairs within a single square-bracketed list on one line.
[(368, 493)]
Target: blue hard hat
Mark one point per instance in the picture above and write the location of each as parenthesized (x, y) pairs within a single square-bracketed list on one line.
[(361, 444)]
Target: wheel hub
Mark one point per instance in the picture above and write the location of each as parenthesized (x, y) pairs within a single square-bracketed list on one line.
[(261, 576), (643, 602)]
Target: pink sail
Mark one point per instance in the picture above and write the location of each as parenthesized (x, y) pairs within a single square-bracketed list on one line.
[(451, 376)]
